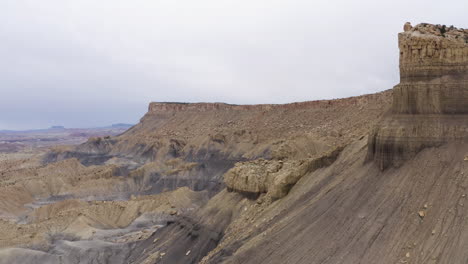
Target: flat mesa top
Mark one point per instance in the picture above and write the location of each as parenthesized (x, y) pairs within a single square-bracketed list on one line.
[(441, 31)]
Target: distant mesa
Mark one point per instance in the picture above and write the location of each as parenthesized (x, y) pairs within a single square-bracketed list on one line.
[(121, 125), (57, 127), (430, 104)]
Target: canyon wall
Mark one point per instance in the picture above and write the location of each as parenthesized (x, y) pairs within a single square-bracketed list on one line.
[(430, 104), (194, 144)]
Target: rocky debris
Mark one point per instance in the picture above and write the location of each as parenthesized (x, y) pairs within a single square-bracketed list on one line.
[(450, 32), (153, 258), (430, 105), (422, 214), (275, 177), (219, 138), (133, 236), (407, 26), (173, 212)]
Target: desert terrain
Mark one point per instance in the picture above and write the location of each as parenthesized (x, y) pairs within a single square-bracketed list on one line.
[(34, 141), (378, 178)]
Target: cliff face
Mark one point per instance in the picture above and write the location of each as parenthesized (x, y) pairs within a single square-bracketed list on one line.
[(430, 105), (211, 137), (433, 71), (156, 107)]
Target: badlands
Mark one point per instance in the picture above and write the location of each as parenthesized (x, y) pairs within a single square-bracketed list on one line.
[(380, 178)]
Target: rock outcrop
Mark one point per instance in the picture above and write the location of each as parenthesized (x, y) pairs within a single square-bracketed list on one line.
[(430, 105), (215, 136), (274, 177)]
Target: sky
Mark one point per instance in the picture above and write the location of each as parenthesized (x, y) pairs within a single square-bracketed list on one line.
[(88, 63)]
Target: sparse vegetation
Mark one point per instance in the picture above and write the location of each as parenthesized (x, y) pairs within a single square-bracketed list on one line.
[(442, 30)]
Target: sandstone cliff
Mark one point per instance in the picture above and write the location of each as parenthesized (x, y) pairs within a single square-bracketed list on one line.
[(212, 137), (430, 105)]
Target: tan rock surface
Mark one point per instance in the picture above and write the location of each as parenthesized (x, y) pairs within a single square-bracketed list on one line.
[(82, 219), (430, 105), (273, 177)]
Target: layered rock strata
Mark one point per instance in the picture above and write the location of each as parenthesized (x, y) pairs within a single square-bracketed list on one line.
[(430, 105), (274, 177), (194, 144)]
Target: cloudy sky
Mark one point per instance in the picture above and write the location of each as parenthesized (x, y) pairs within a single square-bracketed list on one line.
[(85, 63)]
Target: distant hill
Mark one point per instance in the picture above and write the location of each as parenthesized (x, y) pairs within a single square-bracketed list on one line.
[(121, 125), (54, 135), (55, 128)]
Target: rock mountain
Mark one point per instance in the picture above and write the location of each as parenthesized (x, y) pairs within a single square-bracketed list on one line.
[(378, 178)]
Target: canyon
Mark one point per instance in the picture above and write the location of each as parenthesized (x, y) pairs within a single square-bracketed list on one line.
[(379, 178)]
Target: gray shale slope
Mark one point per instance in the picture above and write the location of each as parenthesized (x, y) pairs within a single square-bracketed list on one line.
[(397, 196)]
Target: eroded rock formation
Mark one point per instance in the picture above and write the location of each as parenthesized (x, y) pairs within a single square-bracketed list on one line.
[(274, 177), (207, 139), (430, 104)]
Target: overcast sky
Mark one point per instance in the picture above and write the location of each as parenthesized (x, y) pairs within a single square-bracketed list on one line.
[(85, 63)]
